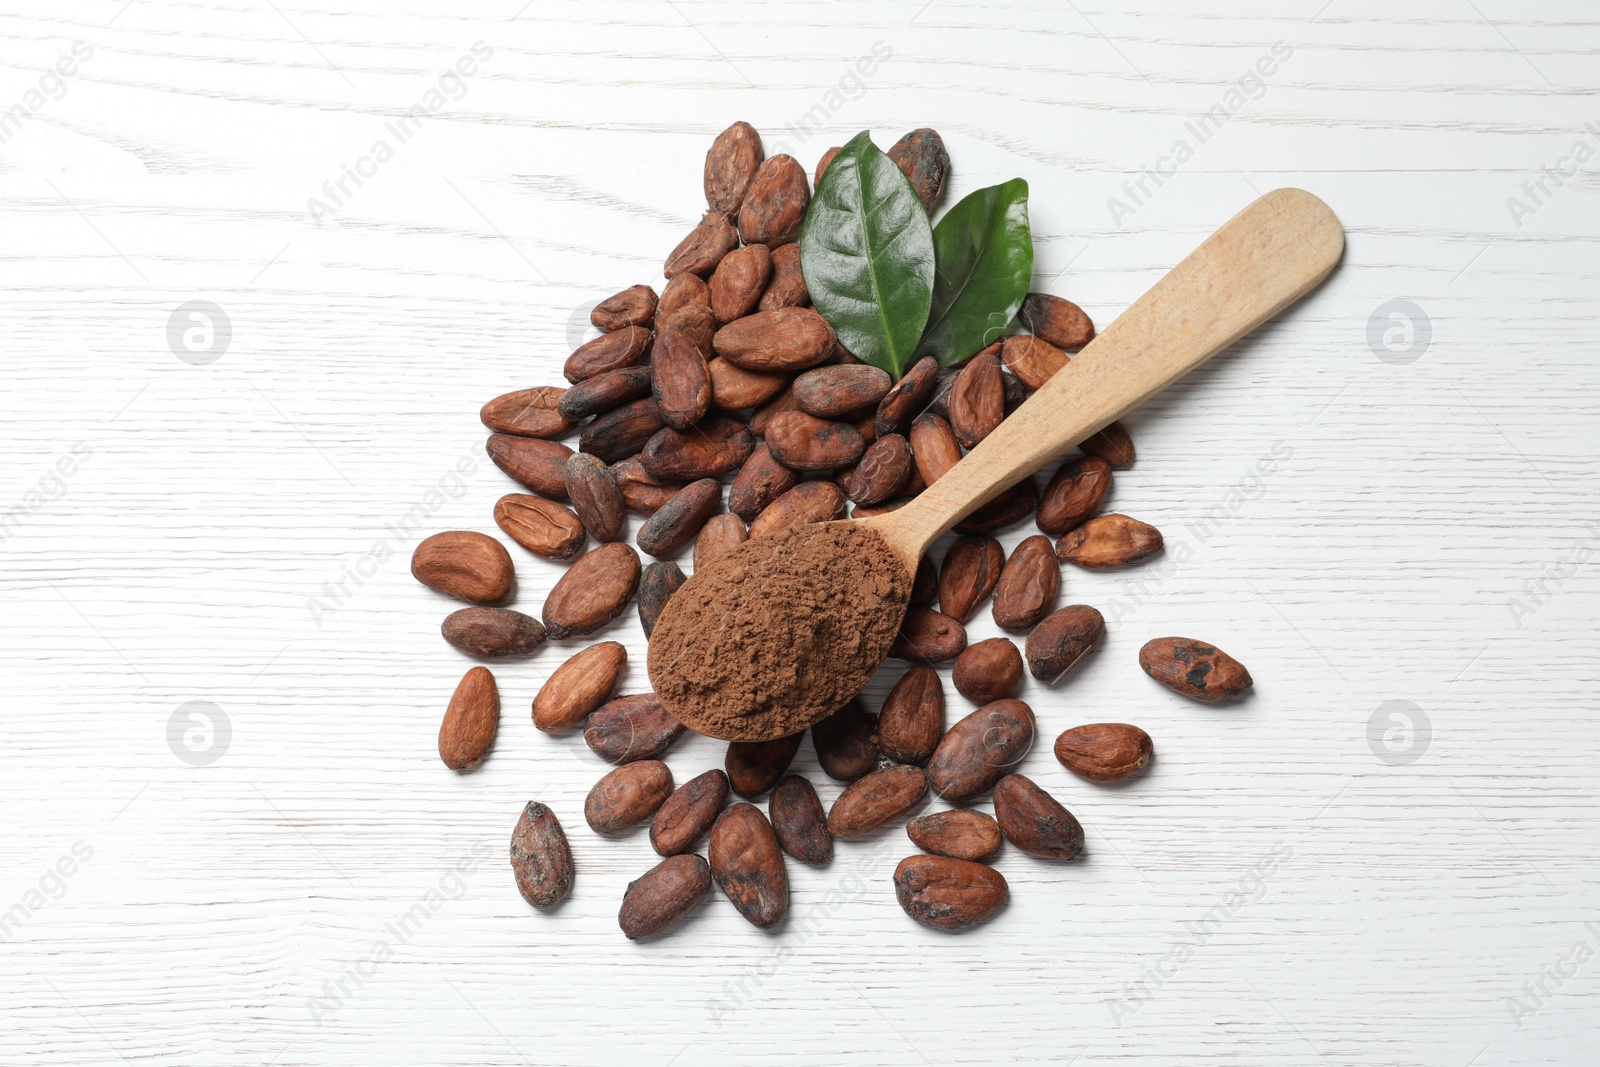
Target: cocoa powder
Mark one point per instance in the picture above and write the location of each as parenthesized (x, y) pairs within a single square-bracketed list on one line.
[(779, 627)]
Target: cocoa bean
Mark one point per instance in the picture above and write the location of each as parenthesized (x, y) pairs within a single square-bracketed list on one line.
[(784, 401), (677, 521), (911, 720), (623, 431), (466, 565), (540, 857), (934, 446), (733, 388), (720, 534), (595, 590), (1016, 392), (748, 865), (755, 766), (970, 572), (1111, 444), (939, 402), (634, 306), (1027, 589), (631, 728), (925, 584), (960, 834), (869, 802), (759, 482), (775, 203), (1033, 361), (977, 400), (493, 633), (1035, 821), (1109, 541), (738, 281), (844, 391), (681, 292), (880, 473), (703, 248), (711, 448), (627, 347), (798, 820), (822, 164), (688, 813), (988, 671), (1060, 322), (949, 894), (532, 412), (1009, 508), (627, 796), (806, 503), (928, 635), (1064, 637), (663, 895), (922, 157), (642, 492), (783, 339), (788, 286), (804, 442), (539, 465), (541, 526), (1105, 751), (868, 511), (980, 749), (471, 721), (656, 585), (1195, 669), (847, 742), (579, 686), (907, 396), (697, 321), (680, 382), (596, 497), (731, 164), (1074, 494), (604, 392)]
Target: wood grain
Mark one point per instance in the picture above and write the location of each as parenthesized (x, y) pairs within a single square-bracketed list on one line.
[(1372, 528)]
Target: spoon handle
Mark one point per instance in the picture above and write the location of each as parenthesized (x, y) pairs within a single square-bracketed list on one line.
[(1262, 260)]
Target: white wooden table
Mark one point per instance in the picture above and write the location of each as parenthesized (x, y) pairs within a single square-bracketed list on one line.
[(1388, 511)]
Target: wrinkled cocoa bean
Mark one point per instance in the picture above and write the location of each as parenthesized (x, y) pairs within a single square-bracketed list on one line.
[(748, 865), (928, 635), (960, 834), (869, 802), (532, 412), (1074, 494), (471, 721), (663, 895), (657, 583), (1006, 510), (847, 742), (539, 465), (677, 521), (493, 633), (880, 473), (798, 820), (579, 686), (631, 728), (907, 397), (788, 286), (1035, 821), (1195, 669), (840, 391), (688, 813), (634, 306), (1109, 541), (711, 448), (703, 248), (934, 446), (806, 503), (622, 431), (681, 292), (1027, 589), (775, 204), (627, 347), (1112, 444), (540, 857), (596, 497), (627, 796), (467, 565), (806, 443), (733, 388), (718, 535), (1105, 751), (1064, 637), (680, 382), (731, 165), (980, 749), (922, 157), (977, 400), (988, 671), (783, 339), (595, 590), (1033, 361), (1060, 322), (603, 392), (970, 572), (949, 894), (755, 766), (642, 492), (541, 526), (912, 718), (738, 281)]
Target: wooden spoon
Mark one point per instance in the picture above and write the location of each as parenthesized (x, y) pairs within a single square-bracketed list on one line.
[(1262, 260)]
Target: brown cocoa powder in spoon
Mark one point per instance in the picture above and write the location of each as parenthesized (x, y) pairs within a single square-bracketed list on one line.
[(779, 632)]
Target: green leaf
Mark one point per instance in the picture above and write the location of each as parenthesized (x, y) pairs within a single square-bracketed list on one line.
[(984, 251), (866, 251)]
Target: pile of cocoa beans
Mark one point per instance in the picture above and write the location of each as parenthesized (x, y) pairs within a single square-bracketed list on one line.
[(728, 379)]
